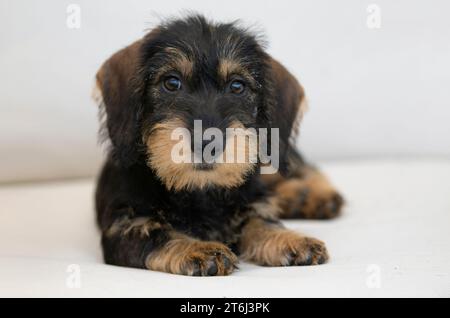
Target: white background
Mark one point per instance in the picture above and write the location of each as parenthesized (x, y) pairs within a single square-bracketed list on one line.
[(373, 92)]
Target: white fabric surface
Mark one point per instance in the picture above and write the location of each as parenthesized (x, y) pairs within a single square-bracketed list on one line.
[(397, 217)]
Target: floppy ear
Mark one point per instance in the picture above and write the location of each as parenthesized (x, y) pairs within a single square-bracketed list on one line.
[(288, 105), (290, 102), (119, 84)]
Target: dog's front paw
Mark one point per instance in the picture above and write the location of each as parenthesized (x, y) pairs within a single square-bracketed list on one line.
[(286, 248), (209, 259), (306, 251), (193, 258)]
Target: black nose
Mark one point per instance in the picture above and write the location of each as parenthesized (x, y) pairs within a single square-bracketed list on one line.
[(215, 127), (200, 148), (214, 150)]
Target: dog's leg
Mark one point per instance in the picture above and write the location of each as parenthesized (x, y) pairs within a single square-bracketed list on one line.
[(305, 192), (310, 196), (145, 243), (268, 243)]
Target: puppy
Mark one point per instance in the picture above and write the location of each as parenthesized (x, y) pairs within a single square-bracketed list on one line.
[(198, 218)]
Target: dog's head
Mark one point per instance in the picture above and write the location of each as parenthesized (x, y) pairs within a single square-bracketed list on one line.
[(190, 75)]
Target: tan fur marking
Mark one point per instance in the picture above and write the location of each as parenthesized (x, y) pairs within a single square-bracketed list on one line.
[(267, 209), (302, 109), (273, 245), (304, 106), (228, 67), (182, 255), (179, 62), (271, 179), (139, 225), (96, 93), (180, 176)]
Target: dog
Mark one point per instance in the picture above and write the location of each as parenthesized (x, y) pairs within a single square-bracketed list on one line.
[(199, 219)]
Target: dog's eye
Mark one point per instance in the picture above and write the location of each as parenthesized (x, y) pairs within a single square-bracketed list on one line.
[(172, 84), (237, 87)]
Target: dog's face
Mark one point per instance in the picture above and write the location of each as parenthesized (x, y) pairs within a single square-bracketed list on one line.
[(207, 73), (186, 72)]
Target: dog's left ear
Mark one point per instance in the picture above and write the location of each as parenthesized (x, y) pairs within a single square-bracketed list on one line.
[(290, 101), (287, 107), (119, 85)]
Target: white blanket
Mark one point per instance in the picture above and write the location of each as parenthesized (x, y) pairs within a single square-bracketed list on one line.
[(392, 240)]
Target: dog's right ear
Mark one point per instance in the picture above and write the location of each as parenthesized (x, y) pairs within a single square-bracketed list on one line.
[(119, 91)]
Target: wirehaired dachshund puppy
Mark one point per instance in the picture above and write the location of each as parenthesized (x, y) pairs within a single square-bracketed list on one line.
[(198, 218)]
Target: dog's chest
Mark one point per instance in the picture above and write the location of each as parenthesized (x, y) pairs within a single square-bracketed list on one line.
[(206, 216)]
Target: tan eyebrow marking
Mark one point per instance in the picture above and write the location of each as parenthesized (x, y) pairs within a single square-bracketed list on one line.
[(227, 67), (177, 61)]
